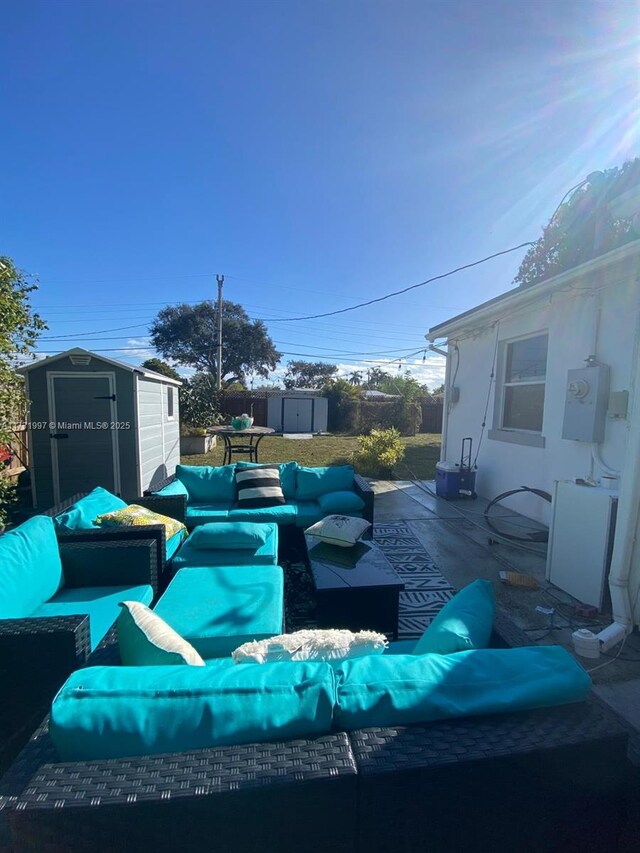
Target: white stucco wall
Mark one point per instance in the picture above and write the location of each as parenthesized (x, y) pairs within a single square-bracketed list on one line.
[(602, 304)]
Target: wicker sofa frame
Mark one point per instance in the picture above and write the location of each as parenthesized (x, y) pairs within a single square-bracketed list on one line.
[(543, 780), (165, 505)]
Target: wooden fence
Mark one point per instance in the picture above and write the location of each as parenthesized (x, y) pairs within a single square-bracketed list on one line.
[(14, 457), (432, 416)]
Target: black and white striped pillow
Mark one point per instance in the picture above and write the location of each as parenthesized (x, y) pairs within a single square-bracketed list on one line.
[(259, 487)]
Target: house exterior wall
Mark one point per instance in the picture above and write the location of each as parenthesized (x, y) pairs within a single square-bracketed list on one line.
[(594, 313), (158, 434)]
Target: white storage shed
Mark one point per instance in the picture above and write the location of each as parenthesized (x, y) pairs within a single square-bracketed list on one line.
[(297, 410)]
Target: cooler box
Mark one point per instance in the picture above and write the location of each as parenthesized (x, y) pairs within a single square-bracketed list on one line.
[(451, 480), (447, 479)]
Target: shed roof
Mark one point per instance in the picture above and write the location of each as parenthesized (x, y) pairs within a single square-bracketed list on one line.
[(148, 374)]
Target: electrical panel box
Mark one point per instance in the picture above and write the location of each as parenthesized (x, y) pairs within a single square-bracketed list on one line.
[(586, 404)]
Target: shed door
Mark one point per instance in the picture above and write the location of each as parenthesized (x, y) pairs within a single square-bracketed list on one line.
[(297, 415), (84, 447)]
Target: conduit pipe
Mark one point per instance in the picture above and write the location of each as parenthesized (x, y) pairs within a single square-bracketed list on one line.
[(596, 452), (445, 410), (623, 546)]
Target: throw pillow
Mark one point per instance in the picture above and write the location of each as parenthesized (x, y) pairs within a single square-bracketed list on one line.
[(136, 516), (81, 514), (340, 502), (230, 535), (312, 644), (342, 530), (259, 487), (144, 639), (464, 623)]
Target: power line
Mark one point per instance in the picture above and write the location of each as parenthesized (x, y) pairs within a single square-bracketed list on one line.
[(406, 289)]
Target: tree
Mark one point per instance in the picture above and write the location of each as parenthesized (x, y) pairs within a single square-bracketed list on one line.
[(187, 334), (355, 377), (375, 376), (406, 386), (308, 374), (582, 227), (19, 330), (199, 401), (160, 366)]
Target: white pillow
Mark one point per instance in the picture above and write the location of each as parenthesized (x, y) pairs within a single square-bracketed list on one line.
[(342, 530), (312, 644), (145, 639)]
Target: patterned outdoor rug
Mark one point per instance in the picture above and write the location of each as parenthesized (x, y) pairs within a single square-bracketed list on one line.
[(426, 590)]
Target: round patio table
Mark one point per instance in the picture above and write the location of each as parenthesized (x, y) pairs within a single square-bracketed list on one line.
[(249, 439)]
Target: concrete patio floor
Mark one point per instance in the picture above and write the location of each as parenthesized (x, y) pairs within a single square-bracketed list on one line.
[(457, 538)]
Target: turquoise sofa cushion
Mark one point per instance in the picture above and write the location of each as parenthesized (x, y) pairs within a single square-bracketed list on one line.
[(389, 690), (111, 712), (307, 513), (347, 501), (313, 482), (287, 471), (203, 513), (218, 608), (30, 567), (465, 622), (230, 535), (82, 514), (206, 484), (282, 514), (100, 603), (175, 487)]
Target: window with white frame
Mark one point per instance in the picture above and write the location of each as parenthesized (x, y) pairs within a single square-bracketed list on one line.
[(169, 403), (523, 384)]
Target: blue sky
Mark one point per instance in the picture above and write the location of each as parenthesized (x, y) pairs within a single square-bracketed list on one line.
[(318, 154)]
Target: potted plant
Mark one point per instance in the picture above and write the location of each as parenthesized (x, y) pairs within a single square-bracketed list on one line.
[(195, 440)]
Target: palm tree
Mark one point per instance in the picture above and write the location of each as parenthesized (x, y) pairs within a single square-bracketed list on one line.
[(355, 378)]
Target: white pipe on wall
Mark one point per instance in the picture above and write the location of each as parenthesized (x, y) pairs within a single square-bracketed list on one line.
[(445, 408)]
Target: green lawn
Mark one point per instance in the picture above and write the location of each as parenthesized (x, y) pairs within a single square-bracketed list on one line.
[(422, 451)]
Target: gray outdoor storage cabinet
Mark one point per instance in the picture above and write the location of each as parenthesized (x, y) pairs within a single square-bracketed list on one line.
[(297, 410), (94, 422)]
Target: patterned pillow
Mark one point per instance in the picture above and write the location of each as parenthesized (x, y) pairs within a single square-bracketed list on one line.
[(342, 530), (259, 487), (135, 516), (144, 639), (312, 644)]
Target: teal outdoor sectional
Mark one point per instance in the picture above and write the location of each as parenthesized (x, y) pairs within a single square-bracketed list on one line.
[(205, 494), (429, 746)]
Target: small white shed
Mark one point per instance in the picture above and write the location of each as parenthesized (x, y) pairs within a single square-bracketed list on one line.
[(94, 422), (298, 410)]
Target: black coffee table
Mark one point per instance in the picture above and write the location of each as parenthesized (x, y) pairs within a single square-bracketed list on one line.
[(356, 588)]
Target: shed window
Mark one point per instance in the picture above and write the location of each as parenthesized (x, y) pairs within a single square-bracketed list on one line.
[(525, 371), (170, 403)]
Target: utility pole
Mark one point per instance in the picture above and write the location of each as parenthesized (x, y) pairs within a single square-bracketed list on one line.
[(220, 280)]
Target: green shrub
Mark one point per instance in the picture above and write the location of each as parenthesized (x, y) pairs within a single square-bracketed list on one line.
[(378, 452), (404, 415)]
